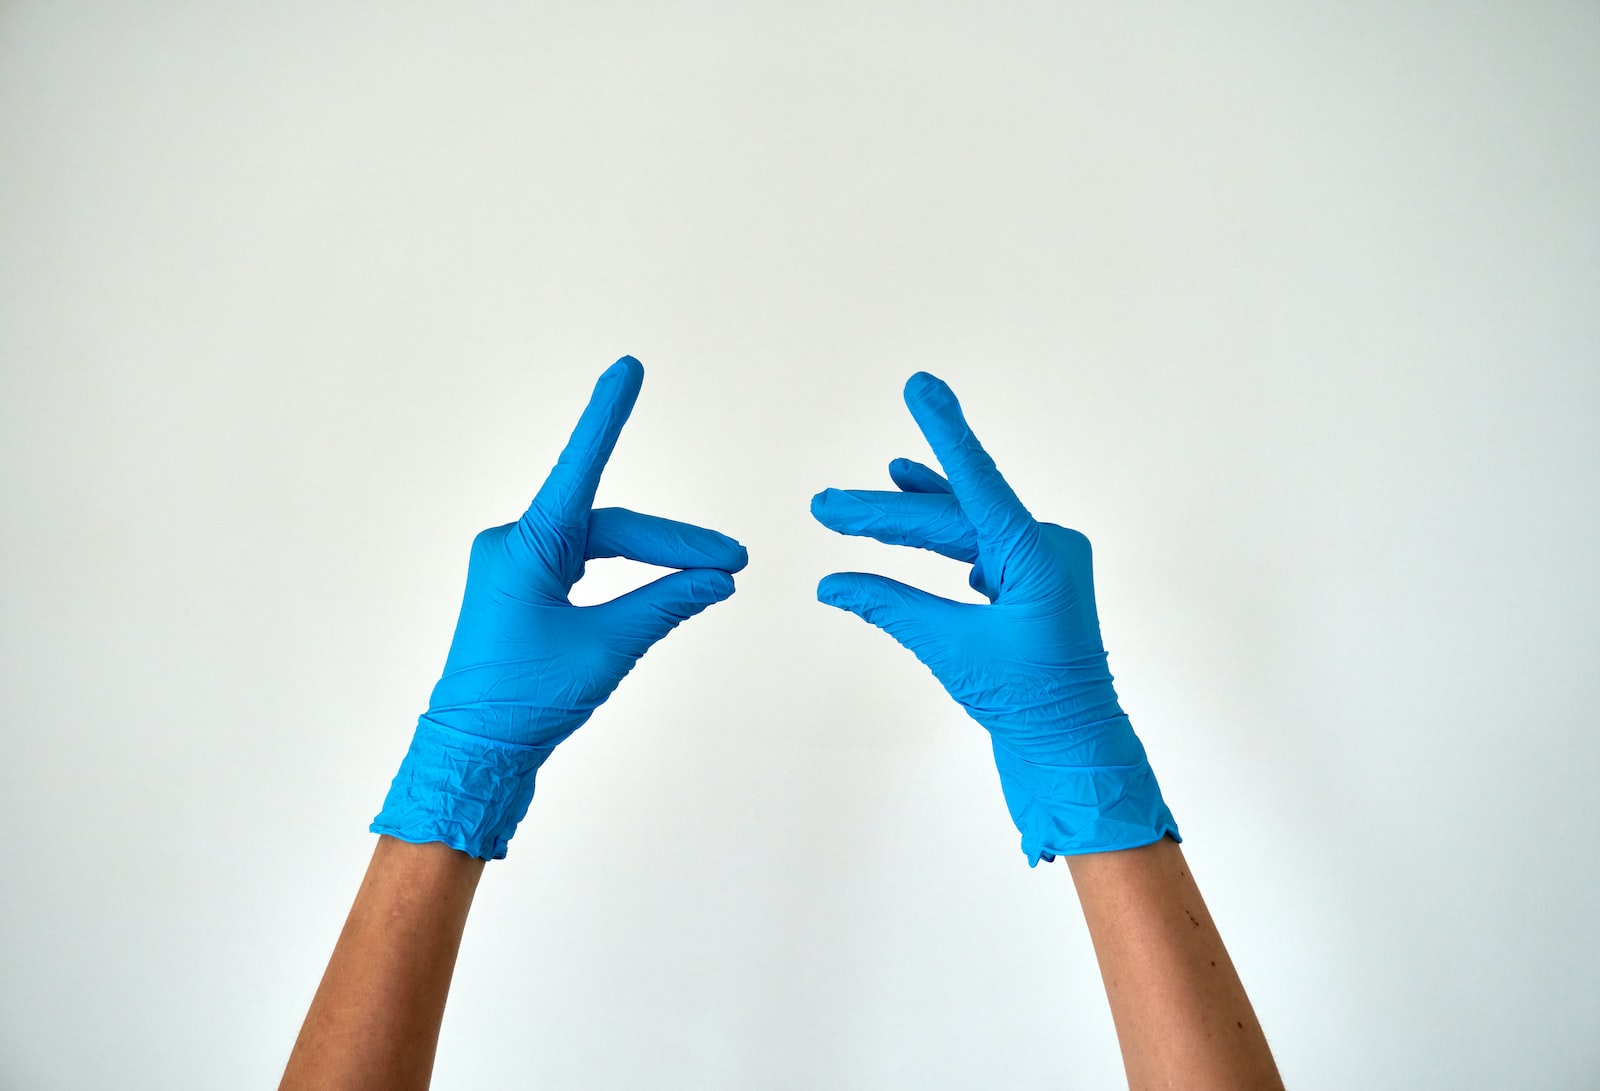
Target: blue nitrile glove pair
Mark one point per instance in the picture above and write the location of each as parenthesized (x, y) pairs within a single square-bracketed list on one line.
[(527, 668)]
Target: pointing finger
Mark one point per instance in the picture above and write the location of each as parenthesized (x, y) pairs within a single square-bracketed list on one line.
[(999, 517), (568, 493)]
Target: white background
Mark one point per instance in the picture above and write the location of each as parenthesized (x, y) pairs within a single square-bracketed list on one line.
[(1295, 312)]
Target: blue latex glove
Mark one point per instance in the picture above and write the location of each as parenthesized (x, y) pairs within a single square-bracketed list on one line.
[(526, 667), (1030, 666)]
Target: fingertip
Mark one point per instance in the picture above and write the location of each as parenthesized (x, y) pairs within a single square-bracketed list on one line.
[(910, 475), (722, 552), (627, 370), (835, 589), (716, 584), (687, 592), (923, 387), (840, 510), (826, 586)]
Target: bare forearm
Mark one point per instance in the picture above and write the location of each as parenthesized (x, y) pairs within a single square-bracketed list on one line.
[(375, 1019), (1181, 1013)]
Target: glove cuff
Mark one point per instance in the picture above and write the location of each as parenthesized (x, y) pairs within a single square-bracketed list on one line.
[(464, 790), (1072, 811)]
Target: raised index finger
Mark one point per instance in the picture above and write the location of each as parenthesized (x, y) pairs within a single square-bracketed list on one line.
[(568, 493), (998, 516)]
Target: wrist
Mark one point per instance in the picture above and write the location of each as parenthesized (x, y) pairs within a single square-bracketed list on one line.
[(1070, 810), (462, 790)]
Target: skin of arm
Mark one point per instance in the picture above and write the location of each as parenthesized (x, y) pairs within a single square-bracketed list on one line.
[(1182, 1017), (374, 1022)]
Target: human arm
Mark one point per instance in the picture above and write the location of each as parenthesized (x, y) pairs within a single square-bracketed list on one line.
[(526, 668), (1030, 667), (1181, 1013), (374, 1022)]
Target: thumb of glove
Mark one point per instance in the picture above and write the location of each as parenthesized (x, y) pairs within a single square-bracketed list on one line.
[(902, 611), (646, 614)]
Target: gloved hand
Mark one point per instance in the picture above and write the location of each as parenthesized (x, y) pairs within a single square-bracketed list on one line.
[(526, 667), (1030, 666)]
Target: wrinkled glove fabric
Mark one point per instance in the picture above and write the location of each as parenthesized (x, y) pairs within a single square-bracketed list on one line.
[(526, 668), (1030, 665)]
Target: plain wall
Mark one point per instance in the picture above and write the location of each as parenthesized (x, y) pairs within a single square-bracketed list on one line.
[(1294, 310)]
